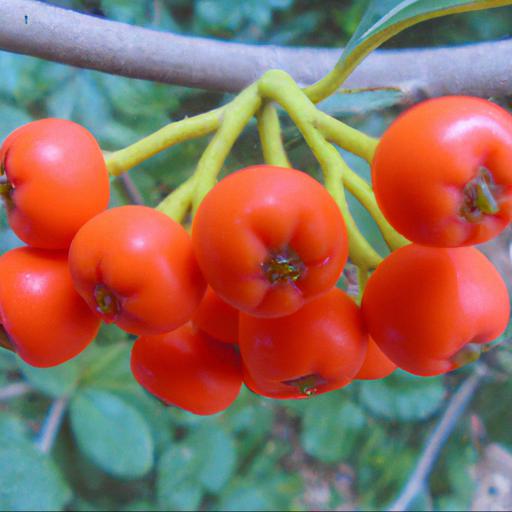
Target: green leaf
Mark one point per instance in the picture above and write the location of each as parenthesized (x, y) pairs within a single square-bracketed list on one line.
[(125, 11), (385, 18), (12, 429), (82, 99), (56, 381), (11, 118), (8, 361), (402, 396), (218, 456), (204, 460), (30, 480), (112, 433), (245, 496), (274, 489), (107, 367), (385, 458), (330, 427), (177, 485)]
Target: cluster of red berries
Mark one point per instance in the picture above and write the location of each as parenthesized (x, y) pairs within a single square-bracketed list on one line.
[(250, 297)]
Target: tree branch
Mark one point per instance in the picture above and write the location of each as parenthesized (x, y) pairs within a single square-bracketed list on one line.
[(454, 409), (34, 28), (14, 390), (51, 424)]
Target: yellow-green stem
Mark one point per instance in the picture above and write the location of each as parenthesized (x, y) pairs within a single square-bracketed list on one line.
[(234, 119), (123, 160), (362, 191), (280, 87), (345, 136), (271, 139), (178, 202)]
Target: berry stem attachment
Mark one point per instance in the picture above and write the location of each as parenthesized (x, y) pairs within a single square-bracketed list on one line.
[(307, 385), (468, 354), (280, 87), (284, 266), (479, 197), (107, 303)]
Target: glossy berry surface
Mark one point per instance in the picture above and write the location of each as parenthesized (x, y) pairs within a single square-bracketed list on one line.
[(376, 364), (217, 318), (53, 179), (188, 369), (42, 317), (269, 239), (429, 309), (319, 348), (135, 267), (442, 173)]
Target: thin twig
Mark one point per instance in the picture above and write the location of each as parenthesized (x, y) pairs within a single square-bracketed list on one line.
[(456, 406), (131, 189), (51, 425), (62, 35), (14, 390)]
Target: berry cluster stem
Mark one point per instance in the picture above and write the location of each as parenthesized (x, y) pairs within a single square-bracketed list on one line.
[(270, 136), (321, 132), (234, 119), (280, 87), (189, 128)]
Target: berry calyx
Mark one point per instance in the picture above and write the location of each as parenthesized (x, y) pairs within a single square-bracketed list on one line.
[(285, 266), (480, 197), (307, 385)]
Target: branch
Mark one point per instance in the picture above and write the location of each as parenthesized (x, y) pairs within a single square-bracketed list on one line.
[(51, 425), (14, 390), (456, 406), (33, 28), (131, 190)]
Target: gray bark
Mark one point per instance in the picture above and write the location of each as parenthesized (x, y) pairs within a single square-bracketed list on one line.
[(41, 30)]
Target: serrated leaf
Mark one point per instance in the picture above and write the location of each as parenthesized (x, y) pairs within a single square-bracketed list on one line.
[(30, 480), (330, 427), (56, 381), (403, 397), (112, 433)]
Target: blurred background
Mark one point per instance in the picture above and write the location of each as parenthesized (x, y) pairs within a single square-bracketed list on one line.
[(117, 448)]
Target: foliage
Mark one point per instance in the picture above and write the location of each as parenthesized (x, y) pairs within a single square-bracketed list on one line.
[(118, 447)]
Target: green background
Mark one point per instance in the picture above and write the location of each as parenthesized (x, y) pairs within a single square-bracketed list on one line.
[(118, 448)]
